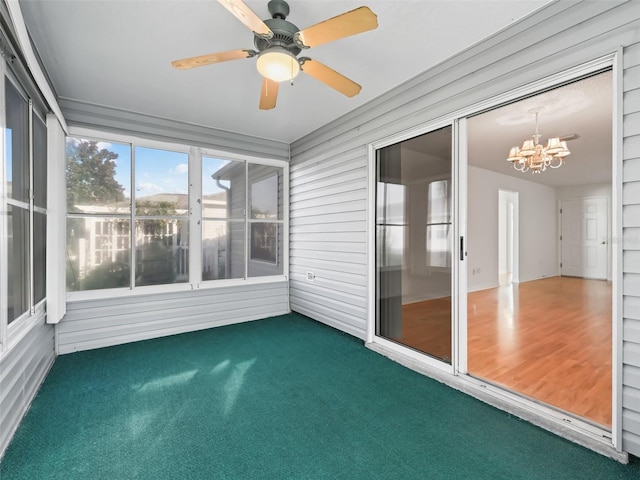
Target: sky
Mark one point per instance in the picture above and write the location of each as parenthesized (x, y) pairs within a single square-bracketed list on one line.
[(160, 171), (163, 171)]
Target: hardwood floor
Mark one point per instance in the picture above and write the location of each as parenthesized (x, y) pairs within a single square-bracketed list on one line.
[(426, 326), (548, 339)]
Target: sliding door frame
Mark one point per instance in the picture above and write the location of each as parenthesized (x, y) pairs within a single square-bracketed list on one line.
[(455, 374), (372, 337)]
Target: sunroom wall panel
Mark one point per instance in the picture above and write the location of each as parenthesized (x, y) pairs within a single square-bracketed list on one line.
[(22, 370), (104, 322)]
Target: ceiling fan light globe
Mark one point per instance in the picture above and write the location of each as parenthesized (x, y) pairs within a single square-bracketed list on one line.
[(278, 64)]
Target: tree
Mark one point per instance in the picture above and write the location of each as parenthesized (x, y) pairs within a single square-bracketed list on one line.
[(91, 175)]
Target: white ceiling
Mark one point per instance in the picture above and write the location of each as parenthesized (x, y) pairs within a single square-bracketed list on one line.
[(583, 107), (117, 53)]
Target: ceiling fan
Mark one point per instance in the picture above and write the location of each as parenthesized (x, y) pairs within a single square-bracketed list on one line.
[(279, 42)]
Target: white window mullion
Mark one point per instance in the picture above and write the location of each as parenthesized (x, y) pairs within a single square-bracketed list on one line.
[(132, 219), (31, 196), (285, 221), (247, 233), (3, 216), (195, 217)]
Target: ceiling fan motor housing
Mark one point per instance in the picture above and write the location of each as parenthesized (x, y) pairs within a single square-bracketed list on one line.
[(283, 31)]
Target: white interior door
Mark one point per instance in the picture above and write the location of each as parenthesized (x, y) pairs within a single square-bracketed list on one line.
[(584, 237)]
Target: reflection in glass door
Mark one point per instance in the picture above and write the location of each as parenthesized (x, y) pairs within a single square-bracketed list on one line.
[(414, 243)]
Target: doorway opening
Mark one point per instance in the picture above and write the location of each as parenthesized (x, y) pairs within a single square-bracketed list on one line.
[(508, 223), (546, 334)]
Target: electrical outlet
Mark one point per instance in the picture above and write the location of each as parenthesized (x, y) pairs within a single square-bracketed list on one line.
[(310, 277)]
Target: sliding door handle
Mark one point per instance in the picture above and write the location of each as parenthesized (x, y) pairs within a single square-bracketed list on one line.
[(461, 249)]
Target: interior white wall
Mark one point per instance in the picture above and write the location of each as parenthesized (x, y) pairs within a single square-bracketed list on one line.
[(584, 191), (538, 230), (427, 286)]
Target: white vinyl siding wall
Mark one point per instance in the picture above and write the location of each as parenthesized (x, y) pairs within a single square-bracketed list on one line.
[(329, 166), (107, 119), (328, 238), (631, 249), (22, 370), (104, 322)]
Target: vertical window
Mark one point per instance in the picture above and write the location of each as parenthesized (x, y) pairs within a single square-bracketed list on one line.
[(17, 174), (242, 219), (24, 207), (223, 218), (391, 204), (99, 215), (438, 224), (265, 220), (161, 217)]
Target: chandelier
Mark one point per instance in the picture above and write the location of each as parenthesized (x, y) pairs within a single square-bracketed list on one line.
[(533, 156)]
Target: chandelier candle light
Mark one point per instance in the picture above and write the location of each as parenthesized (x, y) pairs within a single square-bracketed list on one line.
[(533, 156)]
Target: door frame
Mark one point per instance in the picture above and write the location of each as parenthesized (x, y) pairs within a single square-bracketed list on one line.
[(372, 338), (608, 250), (455, 375)]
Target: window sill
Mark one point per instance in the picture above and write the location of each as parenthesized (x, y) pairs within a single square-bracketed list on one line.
[(160, 289)]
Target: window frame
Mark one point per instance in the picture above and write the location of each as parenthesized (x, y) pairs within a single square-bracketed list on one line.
[(195, 154), (12, 332), (283, 222)]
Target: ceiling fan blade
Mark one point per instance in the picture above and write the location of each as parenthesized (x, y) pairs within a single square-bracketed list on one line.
[(201, 60), (331, 78), (268, 94), (250, 20), (351, 23)]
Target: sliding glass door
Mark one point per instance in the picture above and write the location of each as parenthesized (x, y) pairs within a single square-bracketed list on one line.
[(414, 243)]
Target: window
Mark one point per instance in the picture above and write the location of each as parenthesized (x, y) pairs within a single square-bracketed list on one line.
[(223, 222), (24, 200), (391, 205), (17, 176), (265, 221), (438, 224), (124, 237), (161, 216), (243, 245), (98, 178), (102, 224)]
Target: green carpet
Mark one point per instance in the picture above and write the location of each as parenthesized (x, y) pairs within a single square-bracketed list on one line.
[(279, 398)]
